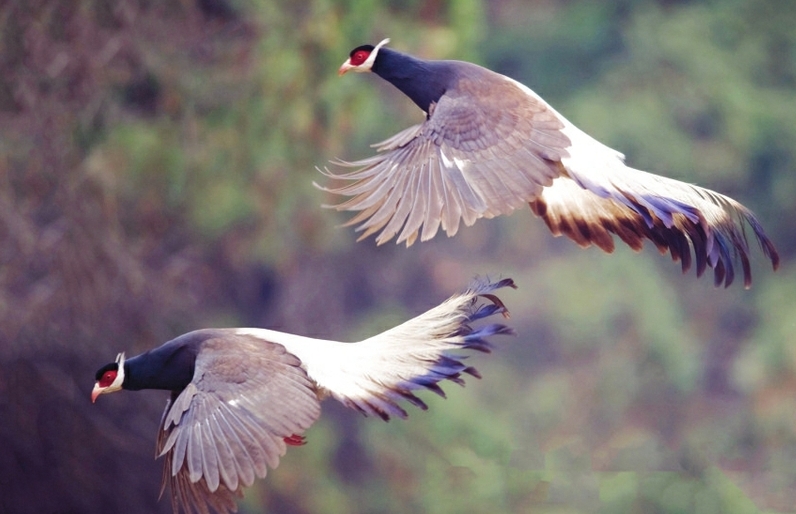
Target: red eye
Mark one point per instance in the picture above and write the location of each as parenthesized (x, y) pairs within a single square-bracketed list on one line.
[(359, 57), (107, 378)]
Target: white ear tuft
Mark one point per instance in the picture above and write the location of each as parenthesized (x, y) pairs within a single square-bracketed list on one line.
[(368, 64), (117, 383)]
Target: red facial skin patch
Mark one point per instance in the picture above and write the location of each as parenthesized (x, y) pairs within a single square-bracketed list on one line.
[(107, 378), (359, 57)]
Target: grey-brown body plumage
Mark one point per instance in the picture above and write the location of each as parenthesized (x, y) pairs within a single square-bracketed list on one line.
[(239, 396), (228, 426), (490, 145)]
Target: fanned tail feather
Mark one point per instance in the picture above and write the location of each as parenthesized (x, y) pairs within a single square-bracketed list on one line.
[(712, 235), (422, 352)]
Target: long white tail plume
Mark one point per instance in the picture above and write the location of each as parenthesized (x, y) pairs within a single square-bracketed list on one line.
[(373, 375)]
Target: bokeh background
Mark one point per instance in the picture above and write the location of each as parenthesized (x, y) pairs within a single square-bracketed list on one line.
[(156, 169)]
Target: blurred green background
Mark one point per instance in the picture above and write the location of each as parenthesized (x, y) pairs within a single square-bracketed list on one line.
[(156, 169)]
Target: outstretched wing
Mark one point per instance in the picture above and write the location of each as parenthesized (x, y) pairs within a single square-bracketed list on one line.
[(490, 145), (231, 423), (485, 149)]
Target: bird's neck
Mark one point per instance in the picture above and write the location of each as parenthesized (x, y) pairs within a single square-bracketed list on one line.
[(422, 81), (167, 367)]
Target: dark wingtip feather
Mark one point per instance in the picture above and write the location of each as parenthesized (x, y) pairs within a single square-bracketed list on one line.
[(449, 367), (414, 400), (770, 252), (747, 271), (718, 274), (716, 237), (472, 372), (487, 310), (382, 401), (766, 245), (430, 382)]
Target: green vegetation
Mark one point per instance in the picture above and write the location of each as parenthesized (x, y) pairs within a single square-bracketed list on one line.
[(157, 160)]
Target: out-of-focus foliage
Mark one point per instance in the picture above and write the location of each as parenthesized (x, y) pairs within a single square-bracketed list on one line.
[(156, 168)]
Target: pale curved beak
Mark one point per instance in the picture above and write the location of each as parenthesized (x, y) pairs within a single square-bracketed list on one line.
[(96, 392), (345, 68)]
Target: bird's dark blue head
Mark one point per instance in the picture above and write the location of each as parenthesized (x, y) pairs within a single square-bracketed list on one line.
[(168, 367), (361, 58), (360, 54), (424, 82), (107, 372), (110, 378)]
